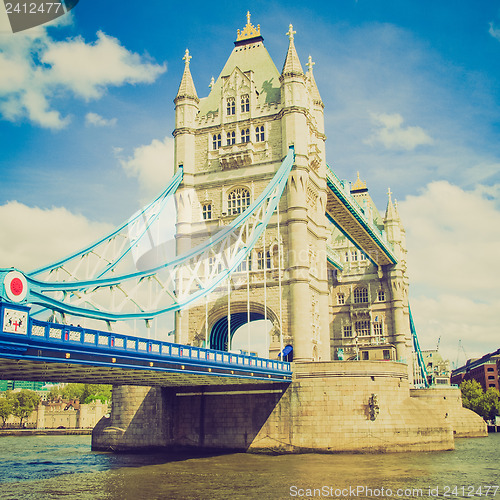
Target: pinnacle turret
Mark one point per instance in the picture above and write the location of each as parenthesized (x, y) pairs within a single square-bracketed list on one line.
[(390, 211), (313, 88), (292, 66), (187, 88)]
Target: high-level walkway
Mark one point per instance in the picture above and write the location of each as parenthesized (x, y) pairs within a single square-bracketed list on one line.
[(344, 212)]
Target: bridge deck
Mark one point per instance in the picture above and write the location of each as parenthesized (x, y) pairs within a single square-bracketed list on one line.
[(53, 352), (343, 211)]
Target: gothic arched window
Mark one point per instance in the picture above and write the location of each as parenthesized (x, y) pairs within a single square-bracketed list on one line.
[(245, 135), (231, 106), (216, 141), (238, 200), (231, 138), (245, 103), (259, 134)]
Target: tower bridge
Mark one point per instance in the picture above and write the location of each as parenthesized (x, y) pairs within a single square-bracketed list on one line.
[(264, 230)]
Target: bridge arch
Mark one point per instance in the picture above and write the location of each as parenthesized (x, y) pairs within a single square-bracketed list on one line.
[(218, 321)]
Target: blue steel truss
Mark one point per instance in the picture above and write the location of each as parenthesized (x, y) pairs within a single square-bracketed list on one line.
[(175, 284)]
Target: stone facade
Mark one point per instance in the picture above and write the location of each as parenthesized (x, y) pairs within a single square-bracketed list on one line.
[(230, 145), (86, 416)]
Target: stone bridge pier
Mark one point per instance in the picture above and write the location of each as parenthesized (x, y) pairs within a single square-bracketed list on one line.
[(334, 406)]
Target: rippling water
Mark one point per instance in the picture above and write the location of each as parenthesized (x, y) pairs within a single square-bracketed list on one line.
[(39, 467)]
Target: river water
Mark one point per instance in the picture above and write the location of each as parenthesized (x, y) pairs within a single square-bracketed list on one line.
[(47, 467)]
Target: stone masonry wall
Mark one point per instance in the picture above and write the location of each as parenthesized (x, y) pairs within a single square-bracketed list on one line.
[(325, 409), (448, 401)]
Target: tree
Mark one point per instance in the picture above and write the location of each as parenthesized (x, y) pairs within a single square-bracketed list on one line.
[(23, 403), (486, 404), (95, 391), (86, 393), (5, 409)]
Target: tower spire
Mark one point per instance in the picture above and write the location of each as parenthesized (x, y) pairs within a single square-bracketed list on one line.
[(292, 66), (187, 88), (390, 212)]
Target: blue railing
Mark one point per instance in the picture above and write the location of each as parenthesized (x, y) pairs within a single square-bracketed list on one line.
[(109, 342)]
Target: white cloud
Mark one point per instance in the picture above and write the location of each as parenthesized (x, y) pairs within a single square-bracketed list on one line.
[(494, 32), (87, 68), (453, 239), (392, 135), (152, 164), (98, 120), (35, 68), (456, 319), (32, 237), (453, 246)]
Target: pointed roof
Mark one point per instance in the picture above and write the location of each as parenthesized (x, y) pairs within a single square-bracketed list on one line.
[(292, 66), (313, 88), (187, 88), (390, 212), (248, 55)]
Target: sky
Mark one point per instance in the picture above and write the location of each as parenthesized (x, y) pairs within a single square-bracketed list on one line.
[(412, 101)]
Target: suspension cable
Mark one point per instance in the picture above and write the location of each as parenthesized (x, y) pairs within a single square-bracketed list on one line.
[(206, 321), (228, 314), (248, 299), (279, 278), (265, 295)]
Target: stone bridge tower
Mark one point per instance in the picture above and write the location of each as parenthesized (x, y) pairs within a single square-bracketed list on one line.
[(230, 145)]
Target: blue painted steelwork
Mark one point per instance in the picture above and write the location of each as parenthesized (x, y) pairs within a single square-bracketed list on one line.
[(38, 290), (74, 344), (338, 188), (161, 201), (418, 352)]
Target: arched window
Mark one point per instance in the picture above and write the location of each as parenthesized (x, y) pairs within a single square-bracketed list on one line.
[(260, 260), (206, 211), (231, 138), (245, 135), (245, 103), (231, 106), (216, 141), (259, 134), (381, 295), (360, 295), (238, 200)]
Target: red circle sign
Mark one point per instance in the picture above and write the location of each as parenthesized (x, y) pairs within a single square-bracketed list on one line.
[(16, 286)]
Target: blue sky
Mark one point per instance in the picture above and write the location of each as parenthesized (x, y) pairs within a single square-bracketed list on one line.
[(412, 100)]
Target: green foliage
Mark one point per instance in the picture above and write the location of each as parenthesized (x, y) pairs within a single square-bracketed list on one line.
[(85, 393), (23, 403), (486, 404), (5, 409)]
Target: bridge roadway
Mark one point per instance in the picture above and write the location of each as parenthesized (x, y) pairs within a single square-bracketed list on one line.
[(41, 351)]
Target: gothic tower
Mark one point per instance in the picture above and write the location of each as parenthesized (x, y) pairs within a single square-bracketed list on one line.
[(230, 144)]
